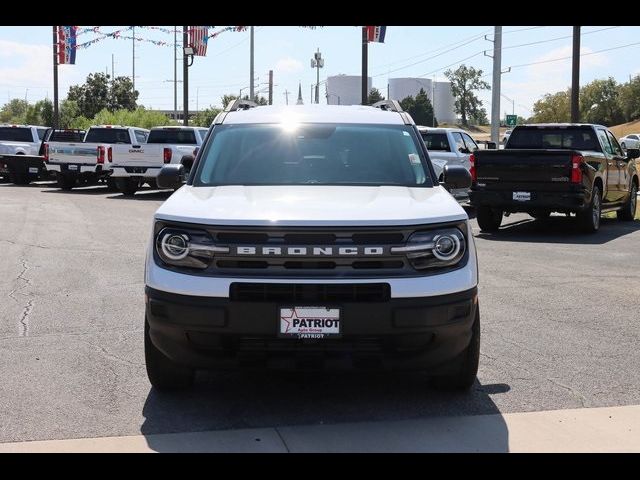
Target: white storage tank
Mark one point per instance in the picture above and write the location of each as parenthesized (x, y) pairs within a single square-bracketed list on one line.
[(345, 89), (444, 103), (401, 88)]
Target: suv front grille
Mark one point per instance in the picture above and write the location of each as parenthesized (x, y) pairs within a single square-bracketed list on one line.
[(305, 292)]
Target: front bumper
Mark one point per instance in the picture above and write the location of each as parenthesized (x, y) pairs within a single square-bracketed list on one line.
[(423, 333)]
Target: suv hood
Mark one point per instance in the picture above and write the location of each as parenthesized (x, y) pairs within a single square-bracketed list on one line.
[(311, 205)]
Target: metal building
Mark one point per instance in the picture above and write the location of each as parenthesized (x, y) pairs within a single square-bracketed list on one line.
[(345, 89)]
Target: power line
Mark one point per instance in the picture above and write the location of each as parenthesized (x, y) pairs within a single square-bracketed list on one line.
[(556, 38)]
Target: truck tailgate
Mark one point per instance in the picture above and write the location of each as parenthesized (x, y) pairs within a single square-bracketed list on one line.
[(524, 167), (143, 156), (62, 152)]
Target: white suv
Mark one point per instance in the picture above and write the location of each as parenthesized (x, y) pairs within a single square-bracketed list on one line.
[(312, 237)]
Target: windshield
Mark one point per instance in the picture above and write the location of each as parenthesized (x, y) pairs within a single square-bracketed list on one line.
[(323, 154), (13, 134), (107, 135), (436, 141), (553, 138), (172, 135)]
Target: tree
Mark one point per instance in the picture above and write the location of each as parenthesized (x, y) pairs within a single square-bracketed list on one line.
[(479, 117), (14, 111), (99, 92), (599, 102), (629, 99), (226, 99), (420, 109), (46, 112), (464, 81), (205, 117), (553, 108), (374, 96), (69, 112), (139, 117)]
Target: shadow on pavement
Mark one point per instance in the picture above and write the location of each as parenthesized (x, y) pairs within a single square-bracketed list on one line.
[(560, 229), (242, 400)]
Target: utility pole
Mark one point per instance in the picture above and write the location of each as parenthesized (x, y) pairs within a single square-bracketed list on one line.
[(365, 75), (175, 72), (56, 113), (286, 95), (270, 87), (495, 86), (575, 77), (133, 77), (251, 67), (185, 77), (112, 69)]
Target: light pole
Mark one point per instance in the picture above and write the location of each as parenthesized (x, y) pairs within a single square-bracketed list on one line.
[(317, 62), (513, 104)]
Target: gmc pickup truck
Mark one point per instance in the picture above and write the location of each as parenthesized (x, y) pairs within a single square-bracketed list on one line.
[(73, 163), (131, 167), (575, 169), (21, 139)]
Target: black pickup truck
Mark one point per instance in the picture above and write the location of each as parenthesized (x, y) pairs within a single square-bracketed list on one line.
[(569, 168)]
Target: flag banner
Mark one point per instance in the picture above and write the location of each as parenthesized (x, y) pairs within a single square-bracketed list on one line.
[(376, 34), (67, 45), (198, 37)]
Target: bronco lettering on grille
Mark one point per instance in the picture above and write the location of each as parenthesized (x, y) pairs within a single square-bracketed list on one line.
[(310, 251)]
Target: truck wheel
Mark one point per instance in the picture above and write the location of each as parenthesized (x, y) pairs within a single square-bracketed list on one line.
[(128, 186), (628, 212), (111, 184), (66, 182), (163, 373), (489, 219), (589, 219), (464, 378)]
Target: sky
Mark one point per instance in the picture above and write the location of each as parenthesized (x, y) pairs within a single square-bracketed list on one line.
[(26, 60)]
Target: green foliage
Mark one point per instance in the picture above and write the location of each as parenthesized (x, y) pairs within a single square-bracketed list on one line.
[(599, 103), (228, 98), (629, 99), (14, 111), (420, 109), (464, 81), (139, 117), (205, 117), (69, 112), (100, 92), (374, 96), (552, 108), (46, 112), (479, 117)]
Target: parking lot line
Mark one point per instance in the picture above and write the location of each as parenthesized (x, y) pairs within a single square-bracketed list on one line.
[(607, 429)]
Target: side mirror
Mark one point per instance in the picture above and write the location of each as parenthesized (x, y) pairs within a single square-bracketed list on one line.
[(187, 161), (171, 176), (633, 153), (456, 176)]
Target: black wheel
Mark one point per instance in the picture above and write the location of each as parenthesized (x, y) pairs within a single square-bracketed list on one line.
[(128, 186), (163, 373), (152, 183), (66, 182), (111, 184), (489, 219), (628, 212), (589, 219), (464, 378)]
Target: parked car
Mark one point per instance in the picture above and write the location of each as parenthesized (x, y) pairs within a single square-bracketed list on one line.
[(569, 168), (312, 237), (131, 167), (21, 139), (448, 146), (74, 163), (631, 140)]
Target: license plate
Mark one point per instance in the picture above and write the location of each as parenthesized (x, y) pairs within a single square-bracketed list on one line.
[(309, 322), (33, 169), (73, 167), (522, 196)]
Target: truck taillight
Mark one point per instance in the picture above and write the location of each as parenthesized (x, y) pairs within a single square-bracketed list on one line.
[(100, 154), (46, 152), (110, 155), (576, 168), (472, 168), (167, 155)]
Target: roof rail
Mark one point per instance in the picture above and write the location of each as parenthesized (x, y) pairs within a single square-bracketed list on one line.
[(389, 105), (240, 104)]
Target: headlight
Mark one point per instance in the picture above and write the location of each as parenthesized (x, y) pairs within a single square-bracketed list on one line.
[(186, 248), (434, 248)]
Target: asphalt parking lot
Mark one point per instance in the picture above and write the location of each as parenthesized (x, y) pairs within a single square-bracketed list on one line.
[(560, 313)]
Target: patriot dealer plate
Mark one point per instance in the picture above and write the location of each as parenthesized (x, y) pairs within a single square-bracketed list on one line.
[(309, 322)]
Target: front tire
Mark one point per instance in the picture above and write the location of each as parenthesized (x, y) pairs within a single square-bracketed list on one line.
[(128, 186), (465, 377), (628, 212), (66, 182), (589, 219), (111, 184), (163, 373), (489, 219)]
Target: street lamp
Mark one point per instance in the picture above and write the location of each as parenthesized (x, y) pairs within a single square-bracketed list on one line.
[(189, 52), (317, 62)]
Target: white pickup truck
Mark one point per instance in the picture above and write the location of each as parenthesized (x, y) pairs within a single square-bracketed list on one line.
[(21, 139), (131, 167), (74, 163)]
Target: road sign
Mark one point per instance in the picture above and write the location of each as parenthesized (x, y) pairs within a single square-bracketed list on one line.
[(512, 120)]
